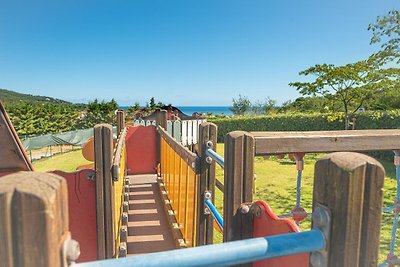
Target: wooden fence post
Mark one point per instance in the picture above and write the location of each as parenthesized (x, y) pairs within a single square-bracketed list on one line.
[(120, 121), (34, 221), (103, 146), (238, 182), (161, 119), (351, 186), (205, 223)]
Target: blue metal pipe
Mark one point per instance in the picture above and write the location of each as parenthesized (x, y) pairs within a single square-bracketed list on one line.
[(218, 159), (224, 254), (215, 213)]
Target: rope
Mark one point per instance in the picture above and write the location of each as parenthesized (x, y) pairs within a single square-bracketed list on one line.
[(391, 258)]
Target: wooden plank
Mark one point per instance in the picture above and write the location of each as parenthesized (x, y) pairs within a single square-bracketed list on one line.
[(117, 155), (189, 157), (219, 185), (120, 121), (34, 219), (238, 176), (100, 209), (205, 223), (109, 206), (326, 141), (12, 157), (346, 183)]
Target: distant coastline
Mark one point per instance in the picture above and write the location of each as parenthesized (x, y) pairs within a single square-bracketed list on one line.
[(189, 110)]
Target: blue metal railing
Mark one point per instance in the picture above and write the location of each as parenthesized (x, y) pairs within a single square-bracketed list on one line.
[(218, 218), (230, 253), (218, 159)]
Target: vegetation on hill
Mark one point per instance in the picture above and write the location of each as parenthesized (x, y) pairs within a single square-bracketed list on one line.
[(9, 97)]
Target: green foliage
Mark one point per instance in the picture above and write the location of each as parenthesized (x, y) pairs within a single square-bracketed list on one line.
[(307, 122), (98, 112), (31, 118), (241, 105), (350, 85), (386, 31), (9, 98)]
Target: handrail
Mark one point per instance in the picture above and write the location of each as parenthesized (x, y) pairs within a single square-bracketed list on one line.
[(325, 141), (189, 157), (117, 155), (215, 156), (219, 185), (214, 212), (229, 253)]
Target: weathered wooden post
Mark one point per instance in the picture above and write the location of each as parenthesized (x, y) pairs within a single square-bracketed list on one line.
[(34, 221), (161, 119), (350, 185), (120, 121), (205, 224), (238, 184), (103, 147)]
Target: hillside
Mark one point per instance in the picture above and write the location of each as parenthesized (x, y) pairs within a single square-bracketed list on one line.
[(9, 97)]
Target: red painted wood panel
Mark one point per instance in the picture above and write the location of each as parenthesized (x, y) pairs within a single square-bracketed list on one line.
[(141, 149), (82, 212), (268, 224)]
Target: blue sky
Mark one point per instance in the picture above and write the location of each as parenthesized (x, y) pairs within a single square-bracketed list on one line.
[(181, 52)]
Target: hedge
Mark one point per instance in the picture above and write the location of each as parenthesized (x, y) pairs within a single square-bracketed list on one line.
[(306, 122)]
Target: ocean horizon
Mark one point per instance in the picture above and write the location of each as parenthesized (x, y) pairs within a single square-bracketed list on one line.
[(189, 110)]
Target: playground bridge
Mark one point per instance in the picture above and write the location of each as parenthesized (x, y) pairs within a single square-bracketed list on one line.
[(150, 193)]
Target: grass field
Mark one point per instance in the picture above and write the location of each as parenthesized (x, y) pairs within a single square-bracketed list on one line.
[(65, 162), (275, 184)]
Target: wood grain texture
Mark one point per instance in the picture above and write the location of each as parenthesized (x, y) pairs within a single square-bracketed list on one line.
[(350, 185), (98, 163), (326, 141), (207, 132), (189, 157), (34, 219), (238, 183)]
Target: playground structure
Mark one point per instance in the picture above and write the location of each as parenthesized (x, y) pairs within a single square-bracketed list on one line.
[(106, 203)]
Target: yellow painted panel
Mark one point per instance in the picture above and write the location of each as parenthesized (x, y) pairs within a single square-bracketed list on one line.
[(182, 195), (118, 190)]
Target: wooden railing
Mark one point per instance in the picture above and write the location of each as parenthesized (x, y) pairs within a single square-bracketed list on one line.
[(110, 191), (361, 194), (118, 175), (179, 181)]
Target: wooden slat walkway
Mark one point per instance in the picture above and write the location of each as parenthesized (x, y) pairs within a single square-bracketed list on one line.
[(148, 228)]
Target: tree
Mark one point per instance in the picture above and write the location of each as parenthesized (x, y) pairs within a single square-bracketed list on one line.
[(349, 85), (241, 105), (268, 106), (386, 31), (152, 103)]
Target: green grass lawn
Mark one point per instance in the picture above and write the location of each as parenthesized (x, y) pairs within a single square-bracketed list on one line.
[(64, 162), (276, 184)]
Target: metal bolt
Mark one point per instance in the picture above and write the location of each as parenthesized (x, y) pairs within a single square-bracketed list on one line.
[(209, 160), (317, 259), (209, 144), (320, 217), (207, 195), (72, 250), (244, 209)]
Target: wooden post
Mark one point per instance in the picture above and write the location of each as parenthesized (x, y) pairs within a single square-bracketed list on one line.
[(238, 181), (103, 145), (34, 220), (205, 224), (120, 121), (161, 119), (351, 186)]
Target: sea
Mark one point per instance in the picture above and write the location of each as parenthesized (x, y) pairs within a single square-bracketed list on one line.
[(215, 110)]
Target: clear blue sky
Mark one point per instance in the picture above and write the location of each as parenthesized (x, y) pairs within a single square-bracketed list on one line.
[(181, 52)]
